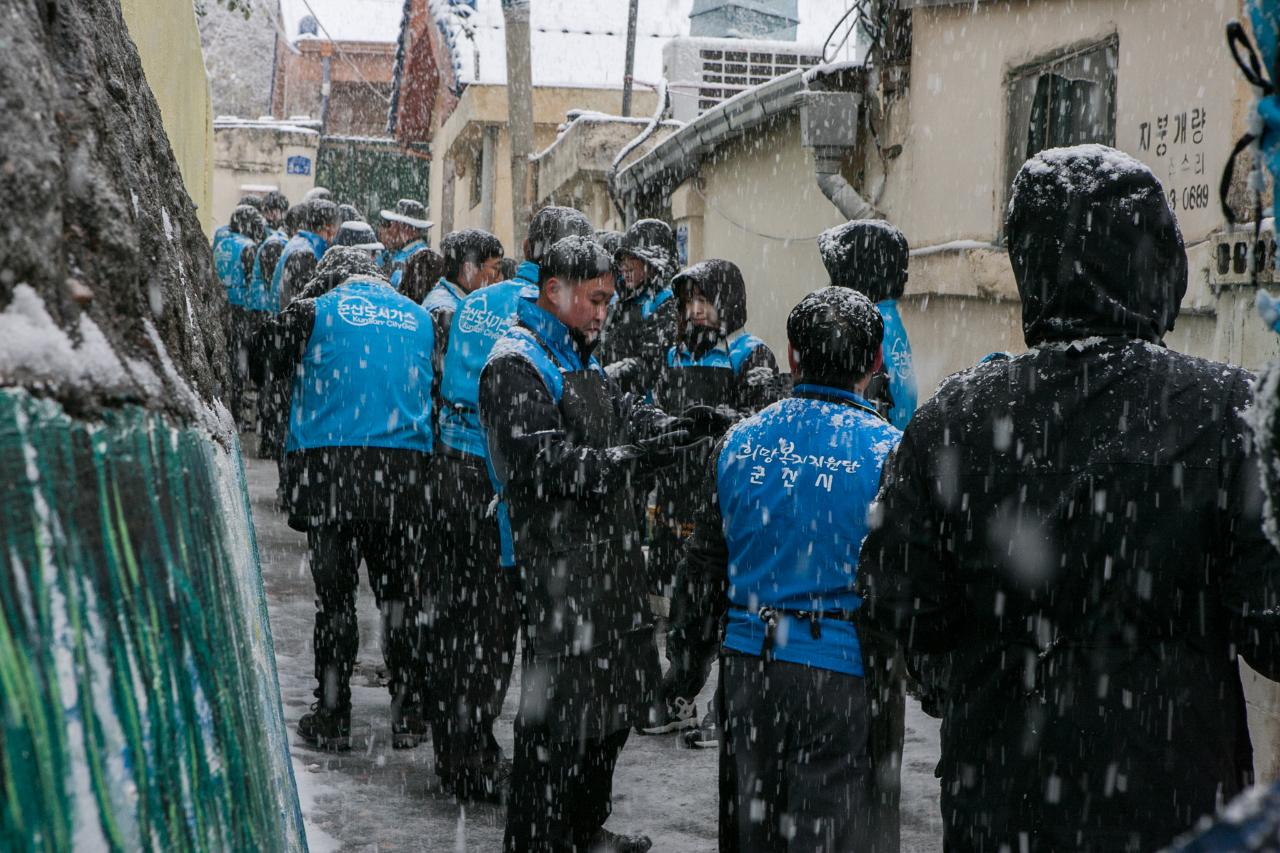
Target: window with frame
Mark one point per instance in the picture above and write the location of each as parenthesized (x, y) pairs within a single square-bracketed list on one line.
[(1066, 98)]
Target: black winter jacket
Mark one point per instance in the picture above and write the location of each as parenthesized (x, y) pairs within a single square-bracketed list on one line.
[(634, 346)]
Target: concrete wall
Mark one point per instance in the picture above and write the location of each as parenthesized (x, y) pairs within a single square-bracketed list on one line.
[(169, 43), (460, 138), (258, 154), (759, 206)]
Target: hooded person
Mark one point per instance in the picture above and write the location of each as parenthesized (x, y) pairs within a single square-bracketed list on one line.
[(642, 322), (1077, 528), (421, 273), (473, 624), (404, 233), (358, 358), (350, 213), (233, 261), (565, 447), (871, 257), (275, 205), (715, 371), (318, 194), (472, 260), (222, 231), (774, 553)]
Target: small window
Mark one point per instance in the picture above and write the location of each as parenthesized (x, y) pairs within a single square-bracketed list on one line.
[(1068, 98)]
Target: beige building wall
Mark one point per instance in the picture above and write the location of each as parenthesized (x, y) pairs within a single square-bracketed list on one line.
[(169, 43), (758, 204), (461, 138), (250, 154)]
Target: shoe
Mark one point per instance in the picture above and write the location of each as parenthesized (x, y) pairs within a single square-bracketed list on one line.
[(705, 736), (605, 841), (664, 717), (408, 727), (326, 728), (490, 784)]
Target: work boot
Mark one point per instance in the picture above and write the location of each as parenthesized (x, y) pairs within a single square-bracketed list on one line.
[(326, 728), (670, 717), (408, 726), (706, 735), (605, 841)]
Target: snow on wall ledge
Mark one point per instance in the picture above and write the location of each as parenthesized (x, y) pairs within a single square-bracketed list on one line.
[(138, 695)]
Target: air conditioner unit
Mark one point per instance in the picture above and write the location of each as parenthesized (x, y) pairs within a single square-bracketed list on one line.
[(702, 73)]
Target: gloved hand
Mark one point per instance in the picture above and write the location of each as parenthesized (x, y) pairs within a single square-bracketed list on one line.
[(622, 368), (708, 422), (669, 448)]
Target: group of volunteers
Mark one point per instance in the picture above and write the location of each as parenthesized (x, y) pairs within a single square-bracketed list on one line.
[(1060, 552)]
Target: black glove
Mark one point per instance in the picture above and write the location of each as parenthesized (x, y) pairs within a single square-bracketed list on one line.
[(708, 422), (669, 448)]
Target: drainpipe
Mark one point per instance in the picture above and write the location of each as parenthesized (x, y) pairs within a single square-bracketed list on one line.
[(829, 126), (489, 165)]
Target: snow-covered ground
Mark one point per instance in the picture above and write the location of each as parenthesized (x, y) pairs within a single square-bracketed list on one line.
[(379, 799)]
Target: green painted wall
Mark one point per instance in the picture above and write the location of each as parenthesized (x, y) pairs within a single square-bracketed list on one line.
[(139, 706)]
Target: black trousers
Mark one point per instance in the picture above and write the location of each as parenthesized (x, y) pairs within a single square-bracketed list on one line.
[(241, 324), (793, 758), (561, 791), (392, 555), (472, 619)]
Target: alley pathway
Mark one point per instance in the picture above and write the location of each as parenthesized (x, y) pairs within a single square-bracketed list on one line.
[(375, 798)]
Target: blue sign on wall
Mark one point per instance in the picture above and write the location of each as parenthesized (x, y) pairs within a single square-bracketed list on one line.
[(298, 165)]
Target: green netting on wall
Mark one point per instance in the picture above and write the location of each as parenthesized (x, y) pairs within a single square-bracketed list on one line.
[(372, 174), (139, 706)]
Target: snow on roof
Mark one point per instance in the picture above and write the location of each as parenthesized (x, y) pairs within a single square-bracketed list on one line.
[(582, 43), (344, 20)]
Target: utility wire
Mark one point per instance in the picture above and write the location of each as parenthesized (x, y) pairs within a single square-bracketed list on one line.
[(384, 98)]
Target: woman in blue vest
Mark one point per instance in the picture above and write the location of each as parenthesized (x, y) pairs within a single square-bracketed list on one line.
[(871, 257), (566, 447), (359, 439), (233, 260), (472, 639), (775, 551), (718, 371)]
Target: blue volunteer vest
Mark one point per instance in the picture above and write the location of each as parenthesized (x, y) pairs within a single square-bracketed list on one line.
[(479, 321), (555, 335), (219, 234), (400, 258), (732, 357), (794, 483), (898, 364), (445, 294), (365, 380), (262, 297), (303, 241), (228, 261)]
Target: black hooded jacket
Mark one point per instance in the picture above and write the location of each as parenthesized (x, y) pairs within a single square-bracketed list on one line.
[(1076, 530)]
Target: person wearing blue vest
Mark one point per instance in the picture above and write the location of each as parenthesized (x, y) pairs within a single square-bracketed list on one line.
[(717, 370), (421, 274), (404, 233), (358, 445), (871, 256), (233, 262), (472, 260), (297, 264), (642, 321), (223, 231), (473, 636), (775, 551), (566, 448)]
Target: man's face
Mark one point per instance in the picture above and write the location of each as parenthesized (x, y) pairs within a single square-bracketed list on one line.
[(397, 235), (699, 311), (634, 272), (582, 306), (472, 277), (275, 218), (329, 232)]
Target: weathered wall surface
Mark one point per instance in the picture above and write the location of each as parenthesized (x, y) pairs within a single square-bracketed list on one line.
[(168, 42), (258, 154), (141, 707)]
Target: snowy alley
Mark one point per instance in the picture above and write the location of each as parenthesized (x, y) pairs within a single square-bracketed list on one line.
[(378, 799)]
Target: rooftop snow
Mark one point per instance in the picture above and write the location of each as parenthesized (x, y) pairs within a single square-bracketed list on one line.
[(345, 20), (582, 43)]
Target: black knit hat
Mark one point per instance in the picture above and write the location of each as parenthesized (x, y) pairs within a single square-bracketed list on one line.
[(652, 241), (866, 255)]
